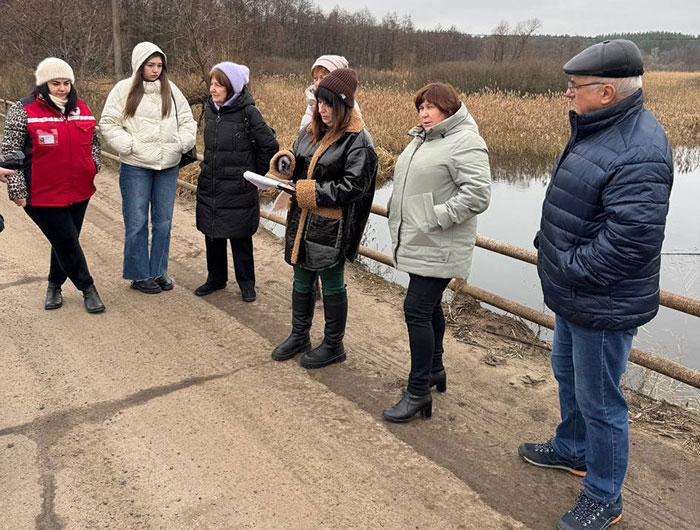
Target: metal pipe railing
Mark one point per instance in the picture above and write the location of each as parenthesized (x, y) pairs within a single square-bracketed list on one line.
[(647, 360)]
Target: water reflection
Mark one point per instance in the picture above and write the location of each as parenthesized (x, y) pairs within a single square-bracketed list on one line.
[(686, 159), (526, 170), (518, 169)]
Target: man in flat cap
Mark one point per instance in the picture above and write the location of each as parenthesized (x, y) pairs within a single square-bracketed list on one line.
[(599, 247)]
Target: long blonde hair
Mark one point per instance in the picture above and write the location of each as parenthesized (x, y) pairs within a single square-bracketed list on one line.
[(136, 91)]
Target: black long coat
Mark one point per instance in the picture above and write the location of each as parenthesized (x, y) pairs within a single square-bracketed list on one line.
[(337, 198), (236, 139)]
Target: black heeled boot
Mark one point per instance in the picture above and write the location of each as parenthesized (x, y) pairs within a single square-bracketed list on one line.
[(331, 350), (409, 406), (439, 380), (93, 302), (54, 297), (299, 341)]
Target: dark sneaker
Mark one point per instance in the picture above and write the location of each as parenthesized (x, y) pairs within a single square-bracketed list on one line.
[(208, 288), (148, 286), (589, 514), (544, 455), (166, 282), (249, 294)]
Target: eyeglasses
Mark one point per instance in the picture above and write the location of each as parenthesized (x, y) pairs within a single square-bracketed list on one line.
[(575, 86)]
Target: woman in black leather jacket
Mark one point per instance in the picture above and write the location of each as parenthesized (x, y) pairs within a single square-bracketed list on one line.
[(334, 167)]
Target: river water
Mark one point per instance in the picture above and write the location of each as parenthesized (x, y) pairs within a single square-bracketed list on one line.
[(514, 216)]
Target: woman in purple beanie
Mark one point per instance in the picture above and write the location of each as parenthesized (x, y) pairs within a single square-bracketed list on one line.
[(236, 139)]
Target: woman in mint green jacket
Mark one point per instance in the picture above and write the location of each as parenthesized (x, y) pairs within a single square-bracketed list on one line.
[(442, 181)]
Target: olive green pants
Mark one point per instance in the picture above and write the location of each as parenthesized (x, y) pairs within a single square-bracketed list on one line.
[(332, 280)]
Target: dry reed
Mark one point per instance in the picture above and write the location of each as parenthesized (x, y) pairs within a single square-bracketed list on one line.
[(524, 133), (516, 129)]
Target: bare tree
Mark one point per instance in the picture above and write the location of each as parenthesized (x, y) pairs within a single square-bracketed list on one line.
[(500, 35), (523, 32)]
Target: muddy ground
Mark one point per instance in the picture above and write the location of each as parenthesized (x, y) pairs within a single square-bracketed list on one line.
[(166, 411)]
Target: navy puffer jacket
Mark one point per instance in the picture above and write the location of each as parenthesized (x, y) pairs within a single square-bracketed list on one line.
[(603, 218)]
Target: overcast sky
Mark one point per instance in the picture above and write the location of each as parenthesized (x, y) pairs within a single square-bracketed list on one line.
[(573, 17)]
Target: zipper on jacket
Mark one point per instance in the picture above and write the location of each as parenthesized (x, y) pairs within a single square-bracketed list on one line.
[(403, 195), (213, 173)]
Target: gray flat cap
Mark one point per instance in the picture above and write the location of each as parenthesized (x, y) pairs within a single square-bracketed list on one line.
[(610, 58)]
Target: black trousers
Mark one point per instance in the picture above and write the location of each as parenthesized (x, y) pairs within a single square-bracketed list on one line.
[(426, 328), (243, 262), (61, 225)]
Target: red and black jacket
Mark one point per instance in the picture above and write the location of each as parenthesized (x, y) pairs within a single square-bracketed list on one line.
[(59, 168)]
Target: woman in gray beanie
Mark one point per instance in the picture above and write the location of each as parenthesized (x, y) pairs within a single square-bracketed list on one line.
[(56, 131)]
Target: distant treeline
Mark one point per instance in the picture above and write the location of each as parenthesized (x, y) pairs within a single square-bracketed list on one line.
[(284, 35)]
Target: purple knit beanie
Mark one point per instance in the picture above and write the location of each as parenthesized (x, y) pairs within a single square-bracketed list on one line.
[(237, 74)]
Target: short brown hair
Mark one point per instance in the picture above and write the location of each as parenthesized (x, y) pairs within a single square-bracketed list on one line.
[(442, 95), (319, 68), (221, 78)]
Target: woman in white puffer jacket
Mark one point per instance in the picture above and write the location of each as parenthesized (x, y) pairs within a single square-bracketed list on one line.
[(148, 122)]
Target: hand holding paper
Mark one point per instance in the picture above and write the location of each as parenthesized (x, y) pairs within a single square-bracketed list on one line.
[(265, 183)]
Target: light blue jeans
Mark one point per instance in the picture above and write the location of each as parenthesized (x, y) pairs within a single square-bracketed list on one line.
[(143, 189), (588, 364)]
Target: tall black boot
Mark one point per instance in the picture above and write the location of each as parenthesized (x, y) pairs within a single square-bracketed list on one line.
[(93, 302), (54, 298), (331, 350), (299, 341)]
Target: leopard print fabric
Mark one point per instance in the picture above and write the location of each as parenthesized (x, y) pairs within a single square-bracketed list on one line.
[(13, 140)]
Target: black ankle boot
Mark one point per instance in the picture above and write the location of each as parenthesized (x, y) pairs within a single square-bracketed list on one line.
[(408, 406), (93, 302), (299, 340), (54, 297), (331, 350)]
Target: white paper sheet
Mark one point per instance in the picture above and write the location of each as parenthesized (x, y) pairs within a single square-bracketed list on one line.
[(264, 183)]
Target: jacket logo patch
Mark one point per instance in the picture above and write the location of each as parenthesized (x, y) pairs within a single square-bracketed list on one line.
[(75, 112), (48, 137)]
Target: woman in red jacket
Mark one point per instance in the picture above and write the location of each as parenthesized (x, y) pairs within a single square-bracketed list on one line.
[(56, 131)]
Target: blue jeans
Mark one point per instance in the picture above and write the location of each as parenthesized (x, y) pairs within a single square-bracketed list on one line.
[(588, 364), (143, 188)]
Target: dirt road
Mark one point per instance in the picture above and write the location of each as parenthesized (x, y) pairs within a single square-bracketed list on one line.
[(166, 412)]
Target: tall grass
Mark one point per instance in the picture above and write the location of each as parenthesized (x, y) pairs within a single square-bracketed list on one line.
[(521, 78)]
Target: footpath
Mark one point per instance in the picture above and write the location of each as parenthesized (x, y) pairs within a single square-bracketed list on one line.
[(167, 412)]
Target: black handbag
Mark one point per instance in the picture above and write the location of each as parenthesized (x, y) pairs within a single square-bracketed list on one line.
[(190, 156)]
